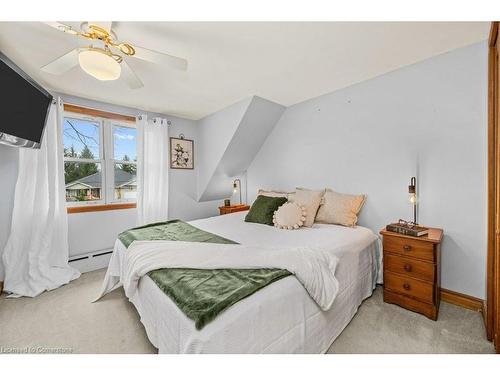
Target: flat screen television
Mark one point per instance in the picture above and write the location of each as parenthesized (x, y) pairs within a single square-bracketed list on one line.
[(24, 107)]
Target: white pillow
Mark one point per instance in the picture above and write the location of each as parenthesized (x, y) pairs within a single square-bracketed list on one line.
[(289, 216), (278, 194), (310, 200), (340, 208)]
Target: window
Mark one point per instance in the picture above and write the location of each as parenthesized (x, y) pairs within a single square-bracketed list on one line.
[(100, 160), (124, 162)]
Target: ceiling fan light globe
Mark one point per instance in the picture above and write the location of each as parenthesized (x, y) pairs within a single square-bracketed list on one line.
[(99, 65)]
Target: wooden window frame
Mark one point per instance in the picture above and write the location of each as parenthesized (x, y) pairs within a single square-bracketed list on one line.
[(107, 122), (97, 113), (100, 207)]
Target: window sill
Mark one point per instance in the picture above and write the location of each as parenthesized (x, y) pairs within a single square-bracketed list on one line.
[(100, 207)]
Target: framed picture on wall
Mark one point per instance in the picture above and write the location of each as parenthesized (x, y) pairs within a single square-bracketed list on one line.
[(181, 153)]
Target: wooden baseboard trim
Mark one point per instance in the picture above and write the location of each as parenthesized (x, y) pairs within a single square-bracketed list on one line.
[(484, 312), (462, 300)]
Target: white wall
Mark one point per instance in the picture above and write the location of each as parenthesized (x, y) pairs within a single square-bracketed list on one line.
[(429, 120)]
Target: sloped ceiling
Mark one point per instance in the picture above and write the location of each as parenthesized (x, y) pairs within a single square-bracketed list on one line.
[(214, 136), (229, 141), (283, 62)]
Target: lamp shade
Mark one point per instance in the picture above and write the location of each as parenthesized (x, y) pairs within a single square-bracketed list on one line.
[(99, 65)]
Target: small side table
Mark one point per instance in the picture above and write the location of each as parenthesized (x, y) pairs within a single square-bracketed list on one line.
[(412, 271), (223, 210)]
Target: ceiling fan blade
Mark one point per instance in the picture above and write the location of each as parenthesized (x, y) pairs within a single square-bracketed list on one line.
[(63, 63), (106, 25), (160, 58), (62, 27), (130, 77)]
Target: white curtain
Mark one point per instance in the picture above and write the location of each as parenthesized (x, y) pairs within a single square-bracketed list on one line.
[(152, 170), (36, 254)]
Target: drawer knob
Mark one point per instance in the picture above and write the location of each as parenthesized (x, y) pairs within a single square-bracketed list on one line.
[(407, 247), (407, 267), (406, 286)]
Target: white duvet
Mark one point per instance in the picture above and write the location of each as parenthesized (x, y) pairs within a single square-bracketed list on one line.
[(280, 318), (315, 269)]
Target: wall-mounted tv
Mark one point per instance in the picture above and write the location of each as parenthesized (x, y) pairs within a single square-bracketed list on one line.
[(24, 107)]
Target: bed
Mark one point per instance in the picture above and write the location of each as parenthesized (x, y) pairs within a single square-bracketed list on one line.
[(280, 318)]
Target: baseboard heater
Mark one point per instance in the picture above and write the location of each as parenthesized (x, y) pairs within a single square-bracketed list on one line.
[(89, 256)]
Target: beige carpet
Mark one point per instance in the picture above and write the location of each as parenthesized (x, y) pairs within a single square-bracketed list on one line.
[(65, 318)]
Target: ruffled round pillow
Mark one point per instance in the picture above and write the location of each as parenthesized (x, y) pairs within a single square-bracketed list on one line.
[(289, 216)]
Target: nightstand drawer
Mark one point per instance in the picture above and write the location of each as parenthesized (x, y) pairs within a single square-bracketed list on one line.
[(408, 266), (409, 247), (410, 287)]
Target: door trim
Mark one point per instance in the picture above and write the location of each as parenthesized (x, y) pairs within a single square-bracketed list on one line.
[(493, 191)]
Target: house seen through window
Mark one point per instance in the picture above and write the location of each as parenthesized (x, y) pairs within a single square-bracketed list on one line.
[(100, 160)]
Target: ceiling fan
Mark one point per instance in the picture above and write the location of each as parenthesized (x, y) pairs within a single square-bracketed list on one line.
[(104, 59)]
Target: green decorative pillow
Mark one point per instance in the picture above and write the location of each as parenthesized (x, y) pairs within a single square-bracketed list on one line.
[(263, 208)]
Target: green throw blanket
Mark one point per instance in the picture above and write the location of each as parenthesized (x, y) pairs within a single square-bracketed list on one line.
[(201, 294)]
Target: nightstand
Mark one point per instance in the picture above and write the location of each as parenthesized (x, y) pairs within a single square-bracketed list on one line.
[(230, 209), (412, 271)]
